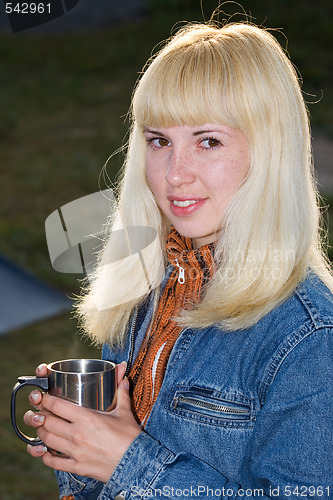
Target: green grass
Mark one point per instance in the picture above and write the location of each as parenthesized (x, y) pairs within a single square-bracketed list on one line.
[(64, 102)]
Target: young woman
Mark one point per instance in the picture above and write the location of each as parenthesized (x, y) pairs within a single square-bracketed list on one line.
[(224, 315)]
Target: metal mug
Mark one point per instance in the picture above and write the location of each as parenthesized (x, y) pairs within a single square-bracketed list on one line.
[(86, 382)]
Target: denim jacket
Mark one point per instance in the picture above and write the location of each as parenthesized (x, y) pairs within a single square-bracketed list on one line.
[(242, 414)]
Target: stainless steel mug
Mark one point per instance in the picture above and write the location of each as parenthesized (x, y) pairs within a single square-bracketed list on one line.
[(86, 382)]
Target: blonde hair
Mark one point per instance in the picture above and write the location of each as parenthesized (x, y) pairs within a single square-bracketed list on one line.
[(238, 75)]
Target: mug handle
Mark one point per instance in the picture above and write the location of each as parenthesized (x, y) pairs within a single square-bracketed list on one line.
[(42, 383)]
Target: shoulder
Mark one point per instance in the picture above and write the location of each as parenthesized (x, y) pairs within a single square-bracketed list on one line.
[(308, 308), (316, 299), (300, 332)]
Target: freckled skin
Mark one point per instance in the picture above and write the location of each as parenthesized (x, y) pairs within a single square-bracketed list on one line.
[(206, 163)]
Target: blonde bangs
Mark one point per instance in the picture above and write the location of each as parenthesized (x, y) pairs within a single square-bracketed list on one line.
[(186, 85)]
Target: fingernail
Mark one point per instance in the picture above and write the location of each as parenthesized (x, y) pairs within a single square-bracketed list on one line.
[(41, 450), (38, 419), (124, 363), (34, 397)]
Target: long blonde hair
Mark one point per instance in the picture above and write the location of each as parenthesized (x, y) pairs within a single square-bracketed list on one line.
[(238, 75)]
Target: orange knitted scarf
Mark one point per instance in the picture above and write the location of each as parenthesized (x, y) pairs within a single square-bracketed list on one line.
[(193, 268)]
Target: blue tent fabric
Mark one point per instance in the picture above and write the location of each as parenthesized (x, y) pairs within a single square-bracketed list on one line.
[(25, 299)]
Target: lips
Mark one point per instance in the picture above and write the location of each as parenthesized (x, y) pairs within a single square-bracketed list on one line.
[(185, 205)]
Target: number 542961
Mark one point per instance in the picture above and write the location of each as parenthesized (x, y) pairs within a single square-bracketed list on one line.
[(28, 8)]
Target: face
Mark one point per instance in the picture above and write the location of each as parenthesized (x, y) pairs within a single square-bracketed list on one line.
[(194, 172)]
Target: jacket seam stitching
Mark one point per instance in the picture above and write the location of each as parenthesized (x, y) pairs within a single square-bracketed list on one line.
[(309, 306), (162, 464), (283, 351)]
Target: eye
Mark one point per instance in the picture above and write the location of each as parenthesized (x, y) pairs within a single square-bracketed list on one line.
[(210, 143), (158, 142)]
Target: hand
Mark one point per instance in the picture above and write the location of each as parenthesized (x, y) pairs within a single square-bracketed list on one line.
[(35, 397), (94, 441)]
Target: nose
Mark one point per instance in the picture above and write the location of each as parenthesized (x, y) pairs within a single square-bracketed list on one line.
[(180, 169)]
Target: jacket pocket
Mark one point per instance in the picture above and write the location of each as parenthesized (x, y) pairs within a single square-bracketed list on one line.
[(212, 407)]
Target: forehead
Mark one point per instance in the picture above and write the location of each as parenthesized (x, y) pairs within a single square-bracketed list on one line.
[(184, 89)]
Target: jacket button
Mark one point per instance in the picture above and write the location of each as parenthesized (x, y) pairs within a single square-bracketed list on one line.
[(119, 497)]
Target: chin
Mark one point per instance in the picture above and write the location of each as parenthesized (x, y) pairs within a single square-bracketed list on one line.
[(199, 238)]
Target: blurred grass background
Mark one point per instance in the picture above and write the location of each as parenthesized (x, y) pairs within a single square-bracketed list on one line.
[(64, 99)]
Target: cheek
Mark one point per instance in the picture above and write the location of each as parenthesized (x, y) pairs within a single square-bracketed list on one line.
[(154, 177), (239, 166), (224, 182)]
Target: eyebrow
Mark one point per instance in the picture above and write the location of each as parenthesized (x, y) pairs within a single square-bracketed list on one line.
[(209, 131), (195, 134), (151, 131), (199, 132)]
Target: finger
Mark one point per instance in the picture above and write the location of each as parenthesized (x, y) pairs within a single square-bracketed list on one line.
[(41, 370), (54, 442), (121, 370), (35, 399), (57, 463), (65, 409), (36, 451), (57, 426), (123, 398), (33, 419)]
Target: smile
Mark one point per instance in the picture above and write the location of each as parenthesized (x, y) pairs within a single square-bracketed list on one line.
[(186, 208), (183, 204)]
